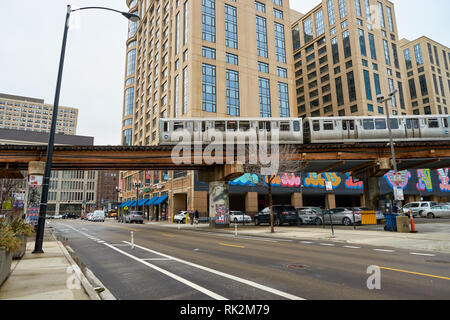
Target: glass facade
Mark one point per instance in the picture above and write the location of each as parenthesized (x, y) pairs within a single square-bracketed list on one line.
[(320, 27), (308, 30), (208, 88), (280, 45), (283, 98), (129, 102), (342, 9), (131, 62), (209, 20), (231, 37), (418, 53), (264, 98), (408, 61), (127, 137), (232, 93), (331, 14), (261, 37)]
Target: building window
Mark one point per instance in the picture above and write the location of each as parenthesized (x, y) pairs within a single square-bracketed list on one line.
[(280, 43), (376, 79), (264, 98), (351, 86), (129, 102), (231, 27), (209, 20), (263, 67), (131, 62), (386, 53), (282, 72), (380, 9), (342, 9), (335, 50), (390, 19), (320, 28), (283, 98), (209, 88), (261, 7), (185, 90), (209, 53), (412, 89), (362, 41), (232, 93), (127, 137), (308, 30), (367, 84), (331, 15), (232, 58), (339, 92), (347, 46), (418, 53), (373, 52), (186, 22), (261, 37)]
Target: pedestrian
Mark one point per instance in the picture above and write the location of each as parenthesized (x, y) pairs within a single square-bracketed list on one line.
[(191, 216), (196, 215)]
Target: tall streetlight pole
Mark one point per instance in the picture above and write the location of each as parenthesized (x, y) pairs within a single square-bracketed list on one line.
[(382, 99), (51, 139)]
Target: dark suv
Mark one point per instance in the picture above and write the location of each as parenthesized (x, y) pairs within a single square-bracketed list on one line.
[(281, 214)]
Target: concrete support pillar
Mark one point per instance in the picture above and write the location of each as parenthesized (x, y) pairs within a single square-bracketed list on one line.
[(297, 200), (372, 192), (251, 203), (362, 200), (331, 200), (219, 204), (34, 190)]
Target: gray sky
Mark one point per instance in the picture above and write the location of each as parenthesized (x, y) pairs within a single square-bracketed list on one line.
[(31, 34)]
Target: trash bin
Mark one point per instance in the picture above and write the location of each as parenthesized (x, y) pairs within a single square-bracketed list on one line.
[(391, 222), (402, 224)]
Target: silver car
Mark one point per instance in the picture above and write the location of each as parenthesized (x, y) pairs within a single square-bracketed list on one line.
[(239, 217), (134, 217), (418, 208), (310, 215), (342, 216), (438, 211)]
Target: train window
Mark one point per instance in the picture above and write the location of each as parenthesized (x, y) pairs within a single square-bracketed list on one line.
[(445, 122), (433, 123), (220, 125), (166, 126), (408, 123), (296, 126), (380, 124), (264, 125), (394, 124), (231, 125), (328, 126), (352, 124), (284, 126), (203, 126), (244, 125), (368, 124), (178, 125), (316, 125)]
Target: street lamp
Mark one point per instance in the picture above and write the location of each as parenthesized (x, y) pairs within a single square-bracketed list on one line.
[(137, 186), (118, 190), (51, 139), (381, 98)]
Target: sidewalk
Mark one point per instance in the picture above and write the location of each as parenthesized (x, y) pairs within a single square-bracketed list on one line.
[(435, 242), (52, 275)]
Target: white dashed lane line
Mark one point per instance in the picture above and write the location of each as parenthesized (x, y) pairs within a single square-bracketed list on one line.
[(327, 244), (423, 254), (352, 247), (384, 250)]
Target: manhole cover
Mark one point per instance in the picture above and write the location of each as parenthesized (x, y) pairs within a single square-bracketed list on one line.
[(295, 266)]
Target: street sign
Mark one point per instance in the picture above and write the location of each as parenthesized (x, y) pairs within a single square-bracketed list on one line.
[(397, 178), (329, 186), (35, 181), (398, 194)]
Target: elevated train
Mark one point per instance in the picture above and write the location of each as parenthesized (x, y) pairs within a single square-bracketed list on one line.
[(311, 130)]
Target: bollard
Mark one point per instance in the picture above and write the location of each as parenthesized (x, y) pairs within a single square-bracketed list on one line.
[(132, 240), (235, 229)]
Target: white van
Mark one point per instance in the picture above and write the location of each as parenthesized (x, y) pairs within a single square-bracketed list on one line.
[(98, 215)]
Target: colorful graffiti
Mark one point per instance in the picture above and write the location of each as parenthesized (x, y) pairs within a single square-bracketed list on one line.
[(406, 175), (248, 179), (351, 183), (315, 180), (444, 179), (285, 180), (424, 180)]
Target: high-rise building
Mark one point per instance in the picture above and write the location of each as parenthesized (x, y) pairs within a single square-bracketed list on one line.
[(425, 64), (210, 58), (346, 53), (30, 114)]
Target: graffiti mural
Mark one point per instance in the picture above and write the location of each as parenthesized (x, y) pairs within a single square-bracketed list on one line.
[(351, 183), (444, 180), (424, 180), (318, 180), (406, 176), (285, 180), (248, 179)]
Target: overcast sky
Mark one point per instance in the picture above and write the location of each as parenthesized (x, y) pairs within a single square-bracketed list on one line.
[(30, 43)]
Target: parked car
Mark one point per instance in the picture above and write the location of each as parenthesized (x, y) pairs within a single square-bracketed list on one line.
[(281, 214), (358, 210), (341, 216), (69, 215), (438, 211), (239, 217), (97, 215), (89, 216), (180, 217), (134, 217), (310, 215), (57, 216), (418, 208)]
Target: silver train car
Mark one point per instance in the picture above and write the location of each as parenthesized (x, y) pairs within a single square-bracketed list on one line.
[(375, 129), (202, 130), (308, 130)]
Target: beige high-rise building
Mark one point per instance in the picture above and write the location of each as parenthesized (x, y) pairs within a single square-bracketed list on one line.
[(211, 58), (31, 114), (425, 64), (346, 53)]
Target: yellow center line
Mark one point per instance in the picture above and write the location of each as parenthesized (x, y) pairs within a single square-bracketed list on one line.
[(168, 235), (230, 245), (418, 273)]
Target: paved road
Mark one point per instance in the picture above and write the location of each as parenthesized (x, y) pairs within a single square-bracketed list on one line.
[(172, 264)]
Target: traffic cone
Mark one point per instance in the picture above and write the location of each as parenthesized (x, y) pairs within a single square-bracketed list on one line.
[(413, 226)]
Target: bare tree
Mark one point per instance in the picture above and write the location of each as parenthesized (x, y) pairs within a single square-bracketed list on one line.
[(289, 162)]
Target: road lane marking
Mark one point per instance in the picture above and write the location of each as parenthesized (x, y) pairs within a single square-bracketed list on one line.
[(231, 245), (352, 247), (156, 259), (170, 274), (168, 235), (225, 275), (423, 254), (306, 242), (327, 244), (384, 250), (417, 273)]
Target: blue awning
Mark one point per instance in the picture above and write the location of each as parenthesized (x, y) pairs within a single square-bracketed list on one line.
[(150, 202), (142, 201), (132, 203), (124, 204), (160, 200)]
